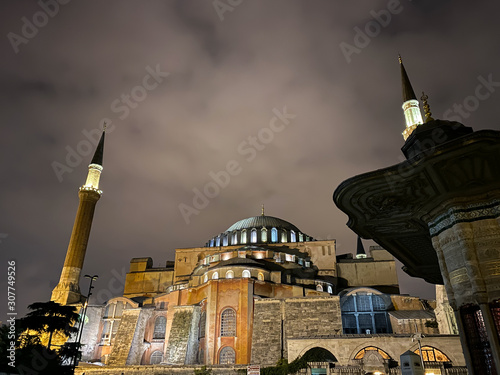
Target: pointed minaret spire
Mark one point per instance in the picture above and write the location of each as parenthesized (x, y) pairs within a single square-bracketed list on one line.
[(99, 151), (67, 291), (411, 106), (360, 250)]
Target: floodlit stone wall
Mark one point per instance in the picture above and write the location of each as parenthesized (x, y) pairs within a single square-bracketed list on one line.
[(302, 317)]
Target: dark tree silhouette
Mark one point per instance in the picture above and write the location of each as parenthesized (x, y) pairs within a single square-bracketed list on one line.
[(49, 318)]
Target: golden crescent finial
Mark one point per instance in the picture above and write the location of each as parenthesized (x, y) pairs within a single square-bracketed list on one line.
[(427, 108), (262, 210)]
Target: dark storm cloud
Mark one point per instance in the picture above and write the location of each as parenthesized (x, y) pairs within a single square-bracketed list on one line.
[(225, 79)]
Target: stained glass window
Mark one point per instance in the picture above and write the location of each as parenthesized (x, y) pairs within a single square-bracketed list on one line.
[(431, 354)]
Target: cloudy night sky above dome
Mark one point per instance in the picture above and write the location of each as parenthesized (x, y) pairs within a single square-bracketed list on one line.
[(214, 108)]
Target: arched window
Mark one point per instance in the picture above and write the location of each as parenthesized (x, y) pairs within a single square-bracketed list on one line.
[(364, 313), (156, 357), (212, 242), (263, 234), (215, 275), (224, 240), (319, 288), (274, 235), (430, 354), (205, 278), (203, 322), (283, 236), (329, 289), (235, 238), (228, 322), (301, 237), (361, 354), (229, 274), (227, 356), (253, 236), (293, 236), (160, 326), (260, 276), (246, 273), (217, 241), (244, 236)]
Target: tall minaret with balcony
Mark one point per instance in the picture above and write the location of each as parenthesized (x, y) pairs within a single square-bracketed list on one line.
[(67, 290), (411, 106)]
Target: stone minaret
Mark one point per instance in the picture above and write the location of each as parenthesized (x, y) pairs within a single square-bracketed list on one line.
[(67, 290), (411, 106)]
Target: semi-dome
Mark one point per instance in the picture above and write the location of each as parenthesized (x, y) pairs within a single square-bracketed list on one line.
[(259, 230)]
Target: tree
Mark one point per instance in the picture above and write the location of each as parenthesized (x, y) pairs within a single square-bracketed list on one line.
[(49, 318), (46, 318)]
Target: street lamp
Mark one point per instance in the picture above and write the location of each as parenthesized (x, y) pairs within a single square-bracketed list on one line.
[(418, 337), (80, 328)]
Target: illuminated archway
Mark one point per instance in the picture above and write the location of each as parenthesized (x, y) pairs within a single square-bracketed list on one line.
[(361, 354), (431, 354)]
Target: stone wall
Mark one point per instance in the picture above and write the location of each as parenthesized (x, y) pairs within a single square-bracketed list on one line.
[(345, 347), (183, 339), (266, 336), (302, 317), (310, 317), (90, 333), (125, 333), (157, 370), (137, 348)]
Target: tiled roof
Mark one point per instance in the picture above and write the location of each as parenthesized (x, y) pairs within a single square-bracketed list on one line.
[(412, 314)]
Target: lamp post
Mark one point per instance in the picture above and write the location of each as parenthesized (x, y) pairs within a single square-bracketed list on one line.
[(80, 329), (418, 337)]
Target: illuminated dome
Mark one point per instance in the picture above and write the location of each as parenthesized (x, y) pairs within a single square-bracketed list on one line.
[(259, 230), (262, 221)]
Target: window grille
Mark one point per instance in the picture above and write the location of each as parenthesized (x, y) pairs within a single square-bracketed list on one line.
[(156, 358), (228, 323), (160, 326), (227, 356)]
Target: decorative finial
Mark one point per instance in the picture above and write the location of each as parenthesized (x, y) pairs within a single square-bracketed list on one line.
[(262, 210), (400, 59), (104, 127), (427, 108)]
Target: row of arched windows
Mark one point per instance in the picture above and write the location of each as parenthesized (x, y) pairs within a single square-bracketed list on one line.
[(255, 235), (230, 275)]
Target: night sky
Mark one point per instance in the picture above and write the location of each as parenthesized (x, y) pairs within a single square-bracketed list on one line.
[(292, 96)]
